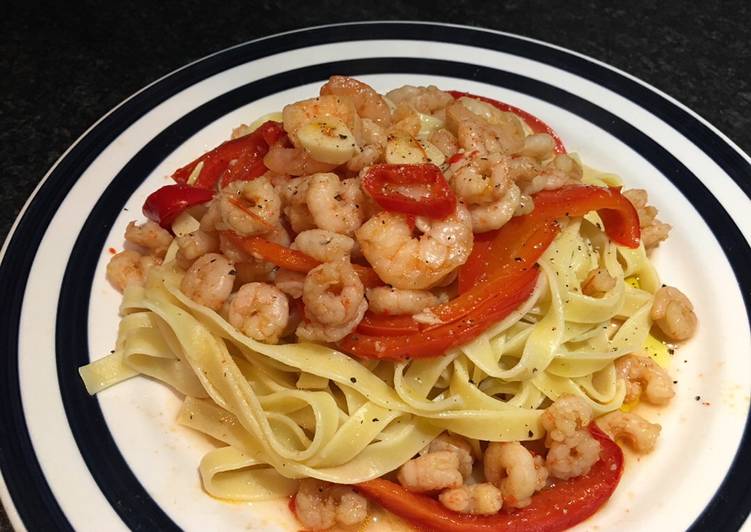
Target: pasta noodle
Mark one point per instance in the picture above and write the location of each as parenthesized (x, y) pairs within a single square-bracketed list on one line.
[(305, 410), (369, 287)]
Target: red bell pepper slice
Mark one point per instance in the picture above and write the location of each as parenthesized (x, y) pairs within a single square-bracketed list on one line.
[(558, 507), (247, 152), (292, 259), (534, 123), (513, 243), (433, 197), (373, 324), (165, 204), (618, 214), (435, 340)]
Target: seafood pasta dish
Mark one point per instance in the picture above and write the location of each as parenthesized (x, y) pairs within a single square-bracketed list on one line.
[(416, 301)]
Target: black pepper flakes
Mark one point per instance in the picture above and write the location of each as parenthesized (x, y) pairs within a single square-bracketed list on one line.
[(530, 433), (698, 397), (353, 380)]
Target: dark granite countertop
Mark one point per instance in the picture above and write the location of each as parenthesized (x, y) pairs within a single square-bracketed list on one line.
[(63, 66)]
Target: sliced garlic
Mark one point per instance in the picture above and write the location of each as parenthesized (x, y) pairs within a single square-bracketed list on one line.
[(403, 148), (328, 140), (428, 125)]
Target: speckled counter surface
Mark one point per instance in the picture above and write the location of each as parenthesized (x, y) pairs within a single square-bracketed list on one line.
[(63, 66)]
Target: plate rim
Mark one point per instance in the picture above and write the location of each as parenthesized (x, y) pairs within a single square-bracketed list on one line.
[(5, 495)]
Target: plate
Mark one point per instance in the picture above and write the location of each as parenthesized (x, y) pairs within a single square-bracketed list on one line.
[(118, 461)]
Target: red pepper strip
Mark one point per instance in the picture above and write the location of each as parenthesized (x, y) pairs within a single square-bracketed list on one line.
[(246, 151), (497, 249), (553, 509), (374, 324), (284, 257), (437, 339), (385, 182), (292, 259), (165, 204), (534, 123), (617, 213)]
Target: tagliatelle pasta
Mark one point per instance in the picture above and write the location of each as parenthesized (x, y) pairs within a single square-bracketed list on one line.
[(298, 409)]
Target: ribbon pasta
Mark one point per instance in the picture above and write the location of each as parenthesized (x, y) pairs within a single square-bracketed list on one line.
[(285, 412)]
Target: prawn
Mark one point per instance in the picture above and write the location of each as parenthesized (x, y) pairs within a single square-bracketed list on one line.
[(422, 99), (562, 170), (335, 205), (368, 103), (475, 133), (642, 374), (149, 235), (250, 207), (476, 499), (294, 161), (394, 301), (324, 246), (320, 505), (640, 434), (209, 280), (298, 114), (334, 300), (129, 268), (294, 195), (653, 231), (486, 187), (432, 471), (674, 314), (406, 262), (258, 310), (511, 468), (195, 244)]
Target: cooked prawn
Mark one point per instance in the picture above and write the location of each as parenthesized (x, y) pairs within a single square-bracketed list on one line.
[(209, 280), (250, 207), (335, 205), (476, 499), (129, 268), (320, 505), (674, 314), (432, 471), (390, 300), (653, 231), (332, 293), (423, 99), (597, 282), (574, 456), (294, 162), (195, 244), (296, 115), (289, 282), (475, 133), (562, 170), (324, 246), (294, 195), (640, 434), (643, 375), (334, 300), (368, 103), (406, 262), (149, 235), (511, 468), (564, 417), (259, 310)]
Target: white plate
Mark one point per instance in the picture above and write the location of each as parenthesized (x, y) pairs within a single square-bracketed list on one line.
[(118, 461)]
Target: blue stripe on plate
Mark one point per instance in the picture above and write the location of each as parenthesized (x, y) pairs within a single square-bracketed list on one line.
[(31, 495)]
